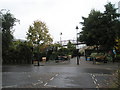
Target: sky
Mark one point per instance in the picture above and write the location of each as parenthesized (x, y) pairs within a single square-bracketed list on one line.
[(59, 15)]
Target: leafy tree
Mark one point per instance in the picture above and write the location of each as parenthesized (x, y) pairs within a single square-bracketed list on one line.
[(91, 28), (70, 47), (25, 53), (19, 53), (8, 21), (117, 46), (100, 29), (55, 50), (38, 34), (39, 38), (111, 21)]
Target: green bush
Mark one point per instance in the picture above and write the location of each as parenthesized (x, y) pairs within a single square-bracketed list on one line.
[(96, 54), (53, 56), (118, 56), (93, 55), (21, 54)]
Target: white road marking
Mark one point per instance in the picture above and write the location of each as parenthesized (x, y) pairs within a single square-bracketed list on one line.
[(7, 86), (51, 86), (34, 84), (56, 75), (93, 75), (45, 84), (10, 86), (97, 87), (41, 81), (94, 82), (38, 80), (52, 78)]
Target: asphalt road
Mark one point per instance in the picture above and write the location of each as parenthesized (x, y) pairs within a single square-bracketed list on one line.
[(59, 75)]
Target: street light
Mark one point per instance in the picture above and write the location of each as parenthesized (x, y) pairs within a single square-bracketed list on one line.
[(77, 45), (61, 38), (38, 52)]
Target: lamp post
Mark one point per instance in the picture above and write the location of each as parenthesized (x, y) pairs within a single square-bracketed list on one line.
[(77, 45), (61, 38), (38, 52)]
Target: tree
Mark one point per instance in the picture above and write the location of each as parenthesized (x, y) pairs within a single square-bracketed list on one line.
[(24, 53), (111, 24), (38, 37), (8, 21), (38, 34), (99, 29), (71, 47), (91, 28)]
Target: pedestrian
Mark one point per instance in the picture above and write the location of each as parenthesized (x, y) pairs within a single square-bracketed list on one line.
[(114, 55), (79, 55), (110, 55)]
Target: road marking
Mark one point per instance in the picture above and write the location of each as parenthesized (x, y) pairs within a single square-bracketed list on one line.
[(34, 84), (38, 80), (51, 86), (52, 78), (45, 84), (56, 75), (97, 86), (41, 81), (94, 82), (93, 75), (10, 86)]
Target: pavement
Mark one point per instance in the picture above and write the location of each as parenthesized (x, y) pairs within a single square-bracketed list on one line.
[(65, 74)]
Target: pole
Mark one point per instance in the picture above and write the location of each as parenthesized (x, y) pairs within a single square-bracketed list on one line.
[(32, 55), (61, 38), (77, 45), (38, 54)]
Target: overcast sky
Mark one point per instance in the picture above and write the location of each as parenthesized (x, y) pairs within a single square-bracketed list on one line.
[(59, 15)]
